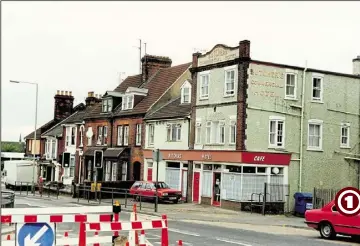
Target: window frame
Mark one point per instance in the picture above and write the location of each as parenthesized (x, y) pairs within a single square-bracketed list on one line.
[(287, 96), (277, 120), (126, 136), (107, 105), (138, 135), (174, 135), (317, 99), (226, 70), (232, 127), (127, 102), (201, 76), (221, 127), (346, 126), (72, 167), (198, 132), (320, 123), (151, 134), (208, 132), (120, 141)]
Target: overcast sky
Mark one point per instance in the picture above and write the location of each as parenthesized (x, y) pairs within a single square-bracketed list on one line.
[(84, 46)]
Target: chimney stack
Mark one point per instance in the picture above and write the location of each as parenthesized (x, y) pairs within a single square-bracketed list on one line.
[(92, 98), (244, 49), (356, 66), (64, 102), (151, 64)]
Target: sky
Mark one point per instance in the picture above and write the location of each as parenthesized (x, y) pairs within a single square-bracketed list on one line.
[(90, 46)]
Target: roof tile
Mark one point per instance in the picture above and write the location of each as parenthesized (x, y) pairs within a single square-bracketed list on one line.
[(173, 109)]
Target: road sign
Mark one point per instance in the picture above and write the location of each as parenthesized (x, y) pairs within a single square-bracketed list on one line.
[(98, 158), (347, 201), (155, 156), (35, 234)]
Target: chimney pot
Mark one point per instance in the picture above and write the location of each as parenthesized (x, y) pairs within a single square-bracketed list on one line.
[(244, 49), (62, 93), (57, 92), (70, 93), (356, 66)]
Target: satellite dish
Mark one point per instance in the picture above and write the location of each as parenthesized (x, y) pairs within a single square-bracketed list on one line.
[(89, 133), (275, 170)]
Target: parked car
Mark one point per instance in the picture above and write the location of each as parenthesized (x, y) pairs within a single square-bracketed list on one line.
[(329, 222), (147, 191)]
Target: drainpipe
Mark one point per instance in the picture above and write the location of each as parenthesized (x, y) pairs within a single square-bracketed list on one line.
[(111, 132), (302, 127), (189, 126)]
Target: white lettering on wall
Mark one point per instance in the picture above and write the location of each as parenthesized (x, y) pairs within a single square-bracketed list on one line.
[(175, 156), (259, 158), (206, 156)]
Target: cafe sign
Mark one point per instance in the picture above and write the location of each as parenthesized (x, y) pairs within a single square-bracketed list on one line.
[(219, 54)]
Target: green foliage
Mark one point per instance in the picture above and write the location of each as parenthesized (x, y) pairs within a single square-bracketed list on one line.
[(12, 147)]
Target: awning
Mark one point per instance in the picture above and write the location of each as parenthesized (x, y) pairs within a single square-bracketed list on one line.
[(113, 152), (90, 150)]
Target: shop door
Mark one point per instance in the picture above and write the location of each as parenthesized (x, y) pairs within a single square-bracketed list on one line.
[(196, 187), (216, 189), (149, 175), (184, 183)]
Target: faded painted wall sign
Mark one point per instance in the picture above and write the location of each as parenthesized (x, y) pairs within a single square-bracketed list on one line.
[(266, 84), (219, 54), (264, 73)]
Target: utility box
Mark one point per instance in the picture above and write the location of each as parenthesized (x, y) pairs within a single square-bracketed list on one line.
[(303, 202)]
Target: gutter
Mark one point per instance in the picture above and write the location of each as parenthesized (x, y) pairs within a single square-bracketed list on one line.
[(302, 127), (189, 130)]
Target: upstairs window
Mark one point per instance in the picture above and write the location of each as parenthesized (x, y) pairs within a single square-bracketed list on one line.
[(138, 135), (345, 135), (232, 132), (204, 86), (317, 89), (217, 132), (128, 102), (173, 132), (101, 135), (107, 104), (315, 134), (276, 132), (186, 92), (229, 87), (126, 135), (198, 133), (151, 134), (73, 135), (120, 130), (290, 86), (208, 132)]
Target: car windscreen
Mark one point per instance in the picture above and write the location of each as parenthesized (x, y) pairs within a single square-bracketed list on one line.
[(162, 185)]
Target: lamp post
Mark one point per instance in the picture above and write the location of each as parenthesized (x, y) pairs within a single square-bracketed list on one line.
[(34, 142)]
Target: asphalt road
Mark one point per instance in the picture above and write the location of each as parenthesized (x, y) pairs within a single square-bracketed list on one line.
[(199, 234)]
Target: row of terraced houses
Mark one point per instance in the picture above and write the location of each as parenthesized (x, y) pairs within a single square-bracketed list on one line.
[(223, 119)]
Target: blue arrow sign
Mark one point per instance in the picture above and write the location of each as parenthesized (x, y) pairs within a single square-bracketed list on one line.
[(36, 234)]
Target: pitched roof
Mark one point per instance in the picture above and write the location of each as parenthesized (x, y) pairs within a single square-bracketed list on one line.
[(134, 81), (157, 85), (42, 129), (95, 111), (173, 109)]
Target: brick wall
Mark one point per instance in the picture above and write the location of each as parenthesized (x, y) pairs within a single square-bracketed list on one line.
[(94, 124)]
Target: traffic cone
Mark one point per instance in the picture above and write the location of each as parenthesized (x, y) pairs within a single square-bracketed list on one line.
[(66, 235), (8, 237), (96, 235), (142, 238), (180, 243)]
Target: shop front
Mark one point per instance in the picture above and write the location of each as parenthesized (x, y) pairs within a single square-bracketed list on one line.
[(226, 178)]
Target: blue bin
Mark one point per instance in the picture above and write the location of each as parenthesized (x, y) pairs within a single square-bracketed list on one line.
[(303, 202)]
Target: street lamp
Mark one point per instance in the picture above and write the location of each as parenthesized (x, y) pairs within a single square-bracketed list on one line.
[(34, 142)]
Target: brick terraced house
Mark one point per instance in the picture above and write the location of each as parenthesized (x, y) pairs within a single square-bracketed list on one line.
[(115, 125)]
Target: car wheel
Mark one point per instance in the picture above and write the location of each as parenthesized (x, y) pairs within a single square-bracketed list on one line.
[(176, 201), (356, 238), (327, 231)]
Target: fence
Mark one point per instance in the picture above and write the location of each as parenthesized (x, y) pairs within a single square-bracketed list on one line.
[(321, 196), (7, 199), (276, 200)]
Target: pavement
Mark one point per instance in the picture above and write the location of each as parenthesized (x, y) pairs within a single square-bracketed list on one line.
[(201, 225)]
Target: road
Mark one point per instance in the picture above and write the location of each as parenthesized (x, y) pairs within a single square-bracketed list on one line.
[(200, 233)]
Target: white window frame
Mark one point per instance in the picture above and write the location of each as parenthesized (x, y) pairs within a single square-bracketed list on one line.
[(89, 140), (229, 93), (170, 128), (201, 76), (198, 132), (120, 135), (53, 149), (315, 122), (277, 120), (186, 85), (99, 135), (127, 102), (208, 127), (126, 135), (105, 135), (114, 171), (287, 96), (221, 128), (82, 129), (321, 77), (232, 130), (72, 167), (138, 134), (151, 135), (107, 105), (346, 126), (68, 136)]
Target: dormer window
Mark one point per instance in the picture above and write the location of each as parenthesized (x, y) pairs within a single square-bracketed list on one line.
[(128, 102), (186, 92), (107, 104)]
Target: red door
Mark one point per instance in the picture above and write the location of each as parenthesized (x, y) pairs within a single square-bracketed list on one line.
[(149, 176), (196, 187)]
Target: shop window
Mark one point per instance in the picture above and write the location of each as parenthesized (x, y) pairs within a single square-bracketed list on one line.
[(261, 170), (217, 167), (107, 171), (114, 171), (124, 171), (150, 164), (249, 169), (206, 185), (207, 167), (234, 169), (185, 165), (198, 166), (173, 164)]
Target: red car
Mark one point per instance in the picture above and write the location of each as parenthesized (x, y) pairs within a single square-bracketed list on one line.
[(329, 222), (147, 191)]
